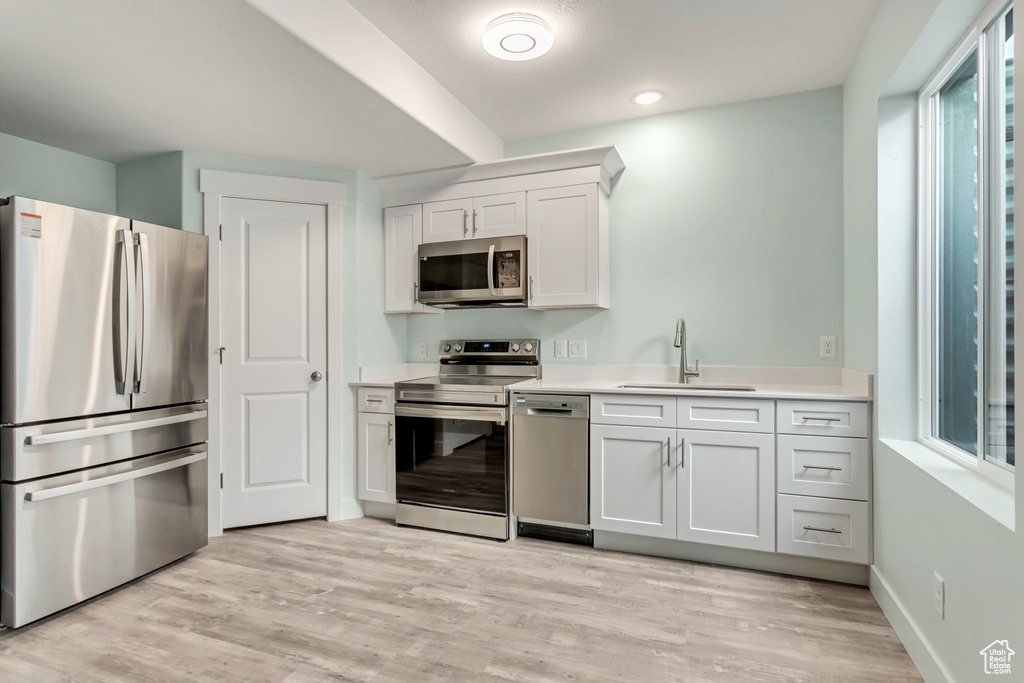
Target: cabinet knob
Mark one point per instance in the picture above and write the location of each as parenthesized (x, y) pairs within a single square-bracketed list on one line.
[(316, 376)]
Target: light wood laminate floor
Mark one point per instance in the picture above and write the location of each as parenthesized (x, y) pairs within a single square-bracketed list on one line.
[(364, 600)]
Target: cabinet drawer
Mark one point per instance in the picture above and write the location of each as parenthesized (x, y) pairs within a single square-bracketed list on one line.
[(824, 527), (726, 414), (823, 466), (633, 410), (824, 418), (376, 400)]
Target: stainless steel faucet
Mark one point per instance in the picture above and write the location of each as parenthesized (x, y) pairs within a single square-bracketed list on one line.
[(680, 343)]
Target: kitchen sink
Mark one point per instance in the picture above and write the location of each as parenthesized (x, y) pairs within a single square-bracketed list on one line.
[(675, 386)]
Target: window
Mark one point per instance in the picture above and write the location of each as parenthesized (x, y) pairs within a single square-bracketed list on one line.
[(967, 326)]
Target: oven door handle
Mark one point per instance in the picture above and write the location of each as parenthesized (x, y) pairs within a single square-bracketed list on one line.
[(499, 415)]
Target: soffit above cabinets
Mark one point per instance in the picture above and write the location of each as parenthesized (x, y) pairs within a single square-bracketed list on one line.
[(589, 164)]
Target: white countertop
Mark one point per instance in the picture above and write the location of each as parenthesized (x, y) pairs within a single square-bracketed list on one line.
[(829, 392), (829, 384)]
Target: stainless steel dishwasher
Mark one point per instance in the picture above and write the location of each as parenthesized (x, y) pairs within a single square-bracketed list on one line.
[(551, 466)]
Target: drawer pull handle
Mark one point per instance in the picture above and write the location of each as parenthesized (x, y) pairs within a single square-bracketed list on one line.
[(823, 467), (374, 400), (823, 419), (827, 531)]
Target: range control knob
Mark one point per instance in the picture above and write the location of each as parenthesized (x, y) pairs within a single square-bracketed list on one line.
[(528, 347), (515, 346), (458, 347), (447, 348)]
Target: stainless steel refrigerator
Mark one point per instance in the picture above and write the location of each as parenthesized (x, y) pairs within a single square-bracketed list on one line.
[(103, 421)]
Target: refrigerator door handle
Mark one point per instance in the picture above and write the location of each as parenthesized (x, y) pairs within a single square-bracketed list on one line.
[(76, 434), (142, 336), (68, 489), (124, 326)]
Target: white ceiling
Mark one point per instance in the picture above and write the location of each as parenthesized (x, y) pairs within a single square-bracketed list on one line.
[(125, 79), (699, 52)]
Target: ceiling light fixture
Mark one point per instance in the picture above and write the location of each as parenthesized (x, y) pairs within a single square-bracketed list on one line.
[(647, 97), (518, 37)]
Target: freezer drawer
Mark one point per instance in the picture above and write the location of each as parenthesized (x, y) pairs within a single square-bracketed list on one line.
[(46, 449), (70, 537)]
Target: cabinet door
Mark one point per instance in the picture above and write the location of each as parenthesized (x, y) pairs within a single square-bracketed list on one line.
[(563, 243), (726, 489), (499, 215), (446, 221), (403, 233), (377, 457), (632, 480)]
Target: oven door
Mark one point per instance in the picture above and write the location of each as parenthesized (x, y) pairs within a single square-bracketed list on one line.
[(473, 271), (452, 457)]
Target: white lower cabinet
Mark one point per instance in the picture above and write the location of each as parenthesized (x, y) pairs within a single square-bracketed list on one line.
[(711, 475), (633, 480), (726, 489), (828, 528), (376, 448), (689, 485)]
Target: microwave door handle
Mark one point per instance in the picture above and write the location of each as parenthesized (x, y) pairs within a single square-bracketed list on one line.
[(490, 269)]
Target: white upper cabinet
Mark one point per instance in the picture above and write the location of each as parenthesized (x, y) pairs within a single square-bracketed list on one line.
[(567, 247), (403, 234), (446, 221), (559, 201), (500, 215)]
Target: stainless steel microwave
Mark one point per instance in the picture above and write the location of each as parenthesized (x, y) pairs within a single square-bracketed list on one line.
[(473, 273)]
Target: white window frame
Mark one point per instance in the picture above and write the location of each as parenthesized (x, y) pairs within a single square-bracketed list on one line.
[(927, 244)]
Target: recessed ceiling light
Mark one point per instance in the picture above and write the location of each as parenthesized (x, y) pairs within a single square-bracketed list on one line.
[(647, 97), (518, 37)]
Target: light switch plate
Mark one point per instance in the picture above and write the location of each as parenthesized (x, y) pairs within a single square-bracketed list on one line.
[(578, 348), (560, 348)]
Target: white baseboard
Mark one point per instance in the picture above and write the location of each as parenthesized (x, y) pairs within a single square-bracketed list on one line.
[(382, 510), (350, 509), (779, 563), (917, 647)]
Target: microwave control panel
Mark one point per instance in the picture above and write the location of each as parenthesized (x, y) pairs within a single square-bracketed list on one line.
[(508, 269)]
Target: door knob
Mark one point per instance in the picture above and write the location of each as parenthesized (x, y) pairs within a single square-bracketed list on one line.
[(316, 376)]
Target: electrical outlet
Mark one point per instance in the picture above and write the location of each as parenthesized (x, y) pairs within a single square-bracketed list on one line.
[(560, 348), (421, 349), (828, 347), (578, 348), (939, 595)]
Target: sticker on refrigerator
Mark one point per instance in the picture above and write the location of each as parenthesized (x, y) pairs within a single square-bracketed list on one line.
[(31, 225)]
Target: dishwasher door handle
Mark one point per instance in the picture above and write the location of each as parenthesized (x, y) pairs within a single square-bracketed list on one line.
[(551, 412)]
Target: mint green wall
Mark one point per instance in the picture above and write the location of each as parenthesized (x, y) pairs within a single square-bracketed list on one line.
[(921, 525), (30, 169), (150, 189), (729, 216)]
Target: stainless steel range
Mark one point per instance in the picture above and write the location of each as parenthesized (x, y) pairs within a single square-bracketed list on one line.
[(452, 438)]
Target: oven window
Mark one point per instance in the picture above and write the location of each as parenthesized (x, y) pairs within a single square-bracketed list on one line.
[(452, 463), (454, 272)]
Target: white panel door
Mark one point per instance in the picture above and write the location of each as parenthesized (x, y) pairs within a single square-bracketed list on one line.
[(377, 457), (274, 330), (562, 241), (632, 480), (726, 490), (403, 234), (446, 221), (499, 215)]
